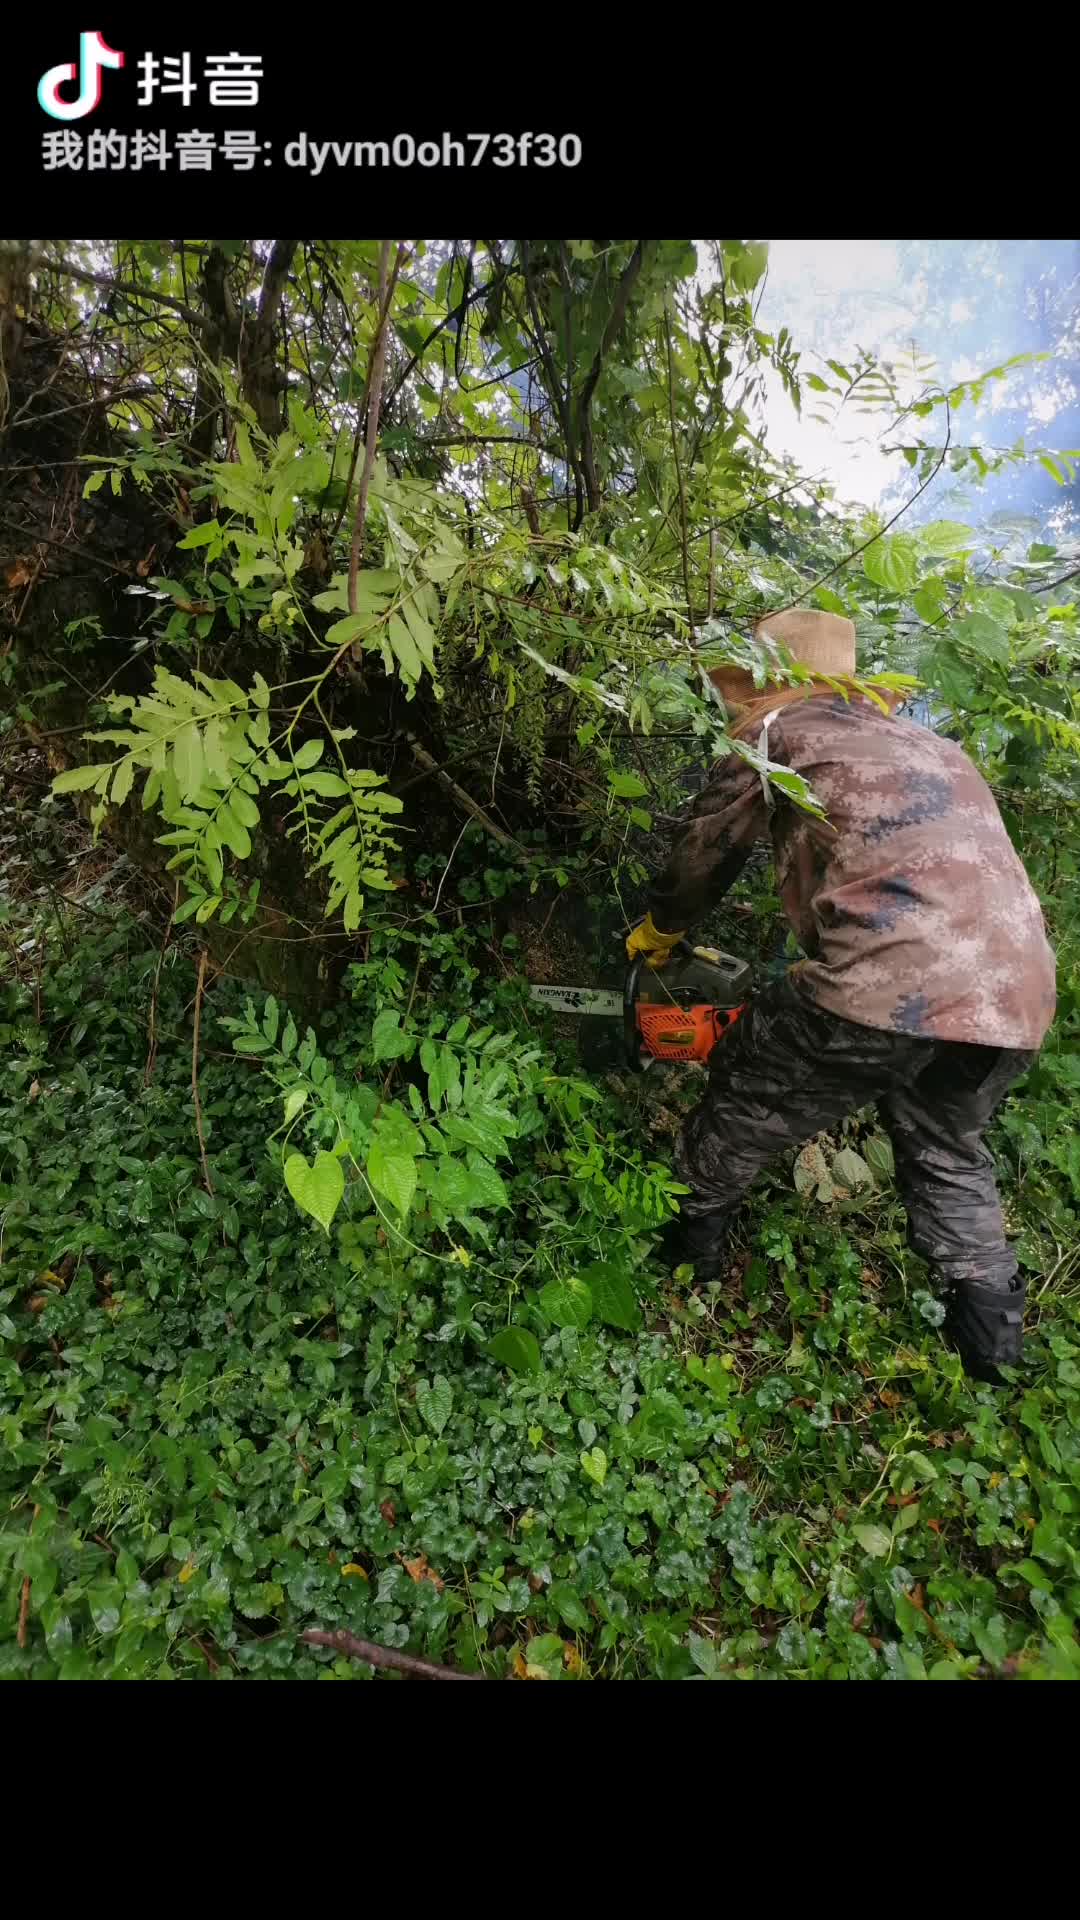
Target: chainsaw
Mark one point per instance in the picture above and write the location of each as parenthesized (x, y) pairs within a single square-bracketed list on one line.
[(673, 1014)]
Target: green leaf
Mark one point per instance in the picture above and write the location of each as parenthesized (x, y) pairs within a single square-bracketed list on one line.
[(873, 1540), (342, 631), (613, 1297), (295, 1099), (830, 602), (188, 760), (201, 536), (327, 784), (389, 1040), (486, 1187), (1035, 1575), (392, 1173), (434, 1403), (745, 263), (946, 536), (405, 650), (989, 1637), (270, 1018), (880, 1157), (122, 780), (594, 1461), (569, 1605), (567, 1302), (627, 786), (309, 753), (243, 808), (317, 1189), (983, 636), (849, 1169), (233, 831), (77, 779), (892, 563), (517, 1349)]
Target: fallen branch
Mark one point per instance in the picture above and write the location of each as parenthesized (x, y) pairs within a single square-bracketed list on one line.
[(389, 1657), (465, 800), (207, 1182)]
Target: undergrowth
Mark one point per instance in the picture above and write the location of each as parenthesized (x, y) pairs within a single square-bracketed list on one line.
[(506, 1442)]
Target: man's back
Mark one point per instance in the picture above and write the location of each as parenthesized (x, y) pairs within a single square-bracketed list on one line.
[(910, 899)]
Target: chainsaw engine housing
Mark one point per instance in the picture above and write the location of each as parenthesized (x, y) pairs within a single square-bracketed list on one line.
[(678, 1012)]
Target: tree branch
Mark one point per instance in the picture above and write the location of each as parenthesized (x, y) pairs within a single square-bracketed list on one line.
[(614, 322), (207, 1182), (684, 541), (193, 318), (387, 1657), (374, 397), (464, 799), (274, 279)]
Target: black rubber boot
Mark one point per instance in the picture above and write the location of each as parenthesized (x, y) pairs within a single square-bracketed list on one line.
[(986, 1324), (701, 1243)]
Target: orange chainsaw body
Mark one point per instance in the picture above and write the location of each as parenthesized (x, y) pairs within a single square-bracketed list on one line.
[(680, 1011)]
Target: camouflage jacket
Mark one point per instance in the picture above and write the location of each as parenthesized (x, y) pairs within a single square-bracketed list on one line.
[(908, 899)]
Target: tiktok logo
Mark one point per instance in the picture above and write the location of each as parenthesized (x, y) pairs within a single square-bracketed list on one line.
[(93, 56)]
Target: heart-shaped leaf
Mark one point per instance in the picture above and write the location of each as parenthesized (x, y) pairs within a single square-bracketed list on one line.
[(614, 1299), (516, 1348), (434, 1402), (568, 1302), (316, 1189), (594, 1462)]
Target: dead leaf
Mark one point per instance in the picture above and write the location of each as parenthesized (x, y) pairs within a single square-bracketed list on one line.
[(890, 1398), (18, 574), (859, 1615), (419, 1569), (934, 1526), (572, 1660), (917, 1596), (389, 1513), (186, 1572), (39, 1302), (34, 1090), (351, 1570), (519, 1669)]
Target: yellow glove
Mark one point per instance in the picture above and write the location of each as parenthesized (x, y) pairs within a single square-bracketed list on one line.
[(648, 940)]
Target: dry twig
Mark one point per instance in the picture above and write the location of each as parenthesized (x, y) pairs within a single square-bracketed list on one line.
[(388, 1657)]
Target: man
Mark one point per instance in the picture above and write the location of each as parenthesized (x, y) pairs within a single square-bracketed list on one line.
[(928, 984)]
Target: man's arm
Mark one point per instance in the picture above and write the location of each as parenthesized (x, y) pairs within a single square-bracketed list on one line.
[(710, 851)]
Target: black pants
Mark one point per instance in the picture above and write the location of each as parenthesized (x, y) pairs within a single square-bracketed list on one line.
[(787, 1071)]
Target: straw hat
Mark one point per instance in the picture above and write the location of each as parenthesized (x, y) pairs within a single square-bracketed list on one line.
[(822, 641)]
